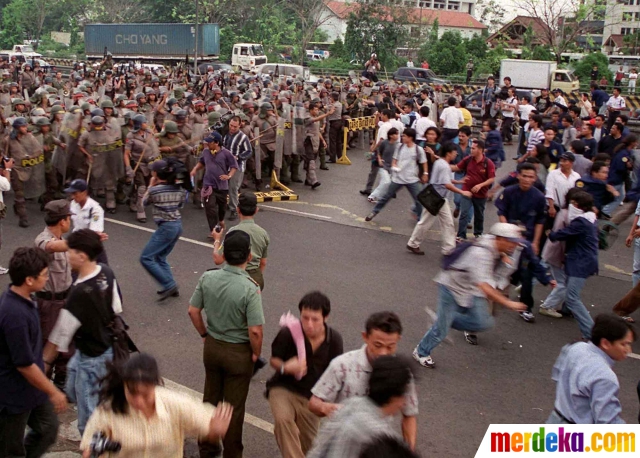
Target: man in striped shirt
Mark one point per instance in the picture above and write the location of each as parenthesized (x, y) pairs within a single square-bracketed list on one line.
[(240, 146), (536, 135), (167, 199)]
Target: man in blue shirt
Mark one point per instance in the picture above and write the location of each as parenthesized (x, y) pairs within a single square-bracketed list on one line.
[(587, 388), (220, 166), (523, 204), (27, 396), (598, 96)]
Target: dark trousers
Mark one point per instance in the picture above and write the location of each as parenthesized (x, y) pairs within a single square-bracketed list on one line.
[(256, 274), (19, 201), (524, 276), (215, 207), (371, 179), (507, 136), (48, 312), (471, 208), (43, 431), (335, 139), (612, 118), (228, 368), (448, 135)]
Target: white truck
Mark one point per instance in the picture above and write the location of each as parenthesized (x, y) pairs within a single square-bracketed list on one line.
[(247, 56), (22, 52), (538, 74)]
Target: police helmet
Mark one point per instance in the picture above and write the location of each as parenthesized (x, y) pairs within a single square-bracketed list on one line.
[(19, 122), (171, 127), (97, 120)]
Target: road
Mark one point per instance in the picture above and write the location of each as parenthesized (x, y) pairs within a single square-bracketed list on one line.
[(322, 242)]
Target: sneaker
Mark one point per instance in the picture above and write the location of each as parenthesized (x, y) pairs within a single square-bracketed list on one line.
[(471, 339), (4, 271), (528, 317), (370, 216), (549, 312), (425, 361), (456, 213)]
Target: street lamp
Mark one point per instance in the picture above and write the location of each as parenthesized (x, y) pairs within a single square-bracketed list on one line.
[(195, 57)]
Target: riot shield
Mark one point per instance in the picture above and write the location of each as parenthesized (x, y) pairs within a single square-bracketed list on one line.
[(69, 159)]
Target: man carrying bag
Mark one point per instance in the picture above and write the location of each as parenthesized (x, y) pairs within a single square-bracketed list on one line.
[(434, 197)]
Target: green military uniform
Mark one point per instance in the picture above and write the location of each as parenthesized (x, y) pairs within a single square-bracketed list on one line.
[(232, 303), (259, 246)]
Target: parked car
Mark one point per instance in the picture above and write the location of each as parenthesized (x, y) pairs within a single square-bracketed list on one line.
[(477, 96), (219, 66), (419, 75)]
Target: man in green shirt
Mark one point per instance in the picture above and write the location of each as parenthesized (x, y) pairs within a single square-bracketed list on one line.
[(232, 336), (247, 209)]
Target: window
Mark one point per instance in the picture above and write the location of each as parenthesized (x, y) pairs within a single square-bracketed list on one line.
[(424, 3), (636, 17), (244, 51), (439, 4), (627, 17), (627, 30), (453, 6)]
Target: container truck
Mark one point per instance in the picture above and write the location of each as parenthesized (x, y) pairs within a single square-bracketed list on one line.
[(538, 74), (157, 42)]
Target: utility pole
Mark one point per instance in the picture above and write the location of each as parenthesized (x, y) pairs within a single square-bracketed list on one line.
[(195, 57)]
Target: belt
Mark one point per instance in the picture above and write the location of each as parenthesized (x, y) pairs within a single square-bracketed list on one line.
[(49, 296), (563, 417)]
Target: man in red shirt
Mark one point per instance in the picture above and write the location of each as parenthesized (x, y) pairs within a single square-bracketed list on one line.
[(480, 175), (425, 64)]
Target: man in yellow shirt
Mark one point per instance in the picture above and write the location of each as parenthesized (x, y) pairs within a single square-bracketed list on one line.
[(466, 114)]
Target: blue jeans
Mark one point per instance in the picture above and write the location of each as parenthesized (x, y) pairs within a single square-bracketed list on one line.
[(466, 213), (636, 262), (451, 315), (154, 255), (557, 296), (458, 197), (612, 206), (83, 383), (414, 189), (575, 305)]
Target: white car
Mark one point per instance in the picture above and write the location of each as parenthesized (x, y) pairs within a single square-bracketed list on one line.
[(290, 70)]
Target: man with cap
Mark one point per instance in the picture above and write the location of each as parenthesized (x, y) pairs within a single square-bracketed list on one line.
[(48, 141), (172, 145), (86, 213), (219, 167), (52, 297), (27, 179), (266, 121), (466, 285), (167, 199), (232, 335), (140, 150), (247, 208)]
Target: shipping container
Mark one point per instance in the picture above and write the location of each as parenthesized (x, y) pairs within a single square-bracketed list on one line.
[(151, 41)]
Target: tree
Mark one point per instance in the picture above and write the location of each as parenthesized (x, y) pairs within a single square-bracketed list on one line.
[(374, 27), (491, 13), (311, 16), (448, 55), (563, 21), (476, 47), (584, 66)]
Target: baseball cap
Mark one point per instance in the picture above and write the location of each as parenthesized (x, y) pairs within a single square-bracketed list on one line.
[(57, 209), (506, 230), (568, 155), (77, 185), (236, 248), (156, 166), (213, 137)]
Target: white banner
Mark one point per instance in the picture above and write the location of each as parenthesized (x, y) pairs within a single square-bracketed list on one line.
[(547, 440)]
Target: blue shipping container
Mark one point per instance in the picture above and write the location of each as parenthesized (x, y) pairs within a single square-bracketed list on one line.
[(158, 41)]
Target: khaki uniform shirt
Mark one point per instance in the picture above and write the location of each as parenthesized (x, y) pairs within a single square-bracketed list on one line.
[(259, 241), (59, 267)]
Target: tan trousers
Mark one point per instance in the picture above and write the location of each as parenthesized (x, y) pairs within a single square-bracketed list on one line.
[(295, 426)]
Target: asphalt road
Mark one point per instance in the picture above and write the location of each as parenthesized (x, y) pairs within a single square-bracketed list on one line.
[(363, 267)]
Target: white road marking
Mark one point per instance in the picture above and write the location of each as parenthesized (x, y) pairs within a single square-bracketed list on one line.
[(634, 356), (146, 229), (248, 418), (295, 212)]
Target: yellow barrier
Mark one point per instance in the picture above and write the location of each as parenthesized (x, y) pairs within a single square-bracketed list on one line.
[(355, 124)]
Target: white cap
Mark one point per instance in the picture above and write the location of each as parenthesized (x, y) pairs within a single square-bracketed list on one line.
[(506, 230)]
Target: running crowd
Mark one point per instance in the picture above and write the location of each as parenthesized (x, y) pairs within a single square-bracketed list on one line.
[(153, 139)]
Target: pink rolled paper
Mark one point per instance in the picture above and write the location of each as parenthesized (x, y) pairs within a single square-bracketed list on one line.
[(295, 327)]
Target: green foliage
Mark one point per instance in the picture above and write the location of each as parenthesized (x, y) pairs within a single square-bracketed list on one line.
[(448, 55), (338, 51), (476, 47), (584, 66), (491, 63), (375, 27), (333, 63)]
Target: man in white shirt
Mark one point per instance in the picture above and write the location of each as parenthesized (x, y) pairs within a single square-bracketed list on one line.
[(86, 213), (614, 105), (559, 181), (450, 119), (422, 124)]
